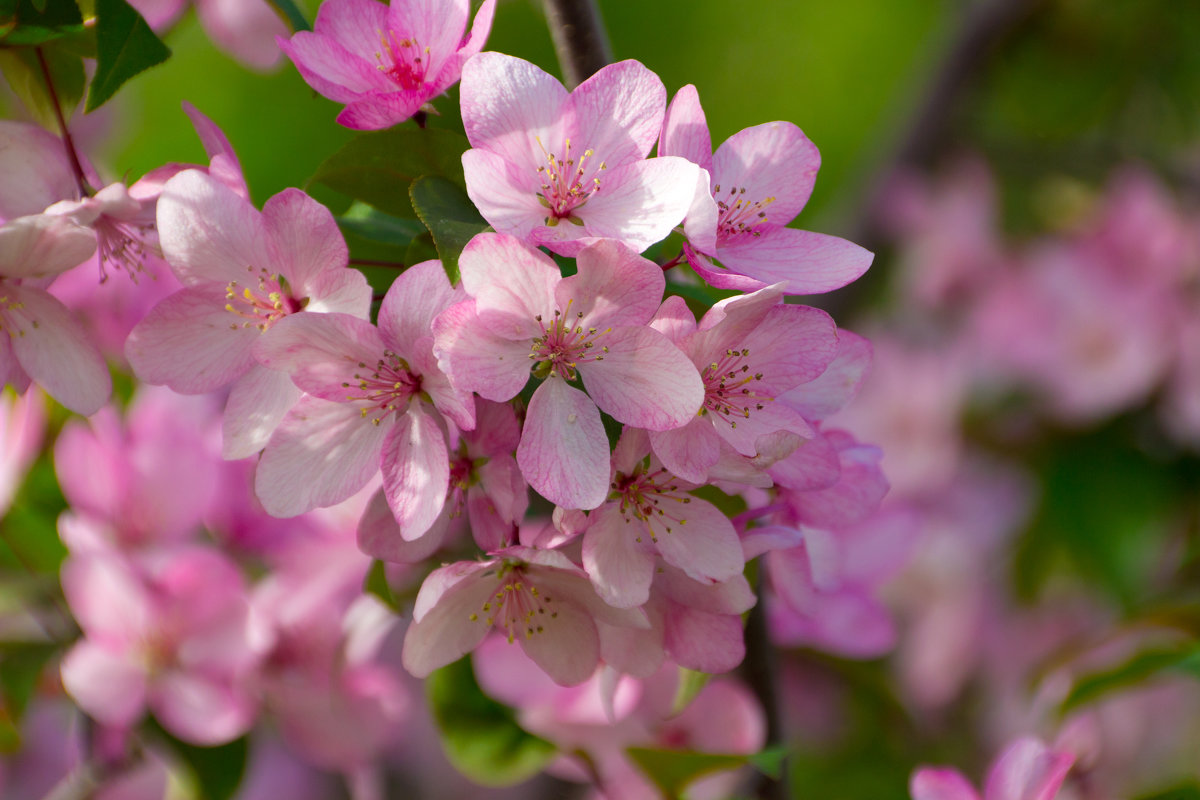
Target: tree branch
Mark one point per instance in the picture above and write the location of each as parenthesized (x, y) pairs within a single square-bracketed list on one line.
[(579, 38)]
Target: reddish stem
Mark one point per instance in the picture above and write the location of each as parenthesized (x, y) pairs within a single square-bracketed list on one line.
[(84, 188)]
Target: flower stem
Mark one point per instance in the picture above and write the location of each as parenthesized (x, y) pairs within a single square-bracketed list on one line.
[(579, 38), (367, 262), (679, 259), (84, 188)]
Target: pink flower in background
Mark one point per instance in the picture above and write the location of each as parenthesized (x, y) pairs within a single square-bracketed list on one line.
[(758, 181), (1027, 770), (384, 62), (523, 314), (245, 29), (22, 426), (556, 169)]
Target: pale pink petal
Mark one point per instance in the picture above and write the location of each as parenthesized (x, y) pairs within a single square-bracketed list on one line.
[(437, 26), (454, 401), (36, 170), (354, 24), (447, 631), (620, 566), (564, 450), (208, 233), (107, 599), (416, 471), (511, 283), (556, 576), (322, 352), (343, 291), (674, 320), (108, 684), (306, 239), (477, 360), (415, 298), (774, 160), (54, 349), (1027, 770), (701, 541), (940, 784), (689, 451), (685, 129), (320, 454), (838, 384), (441, 581), (256, 405), (743, 433), (717, 276), (643, 380), (705, 642), (634, 651), (202, 710), (216, 143), (43, 245), (568, 647), (497, 503), (812, 465), (700, 225), (246, 29), (379, 534), (509, 106), (618, 112), (613, 287), (506, 198), (733, 596), (498, 431), (190, 343), (810, 263)]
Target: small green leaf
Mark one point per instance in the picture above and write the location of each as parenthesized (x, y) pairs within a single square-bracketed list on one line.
[(366, 222), (450, 216), (376, 583), (672, 770), (379, 167), (125, 46), (421, 249), (25, 77), (480, 736), (290, 14), (1142, 666), (218, 770), (690, 684), (34, 25), (20, 670), (1189, 791), (29, 540), (770, 761)]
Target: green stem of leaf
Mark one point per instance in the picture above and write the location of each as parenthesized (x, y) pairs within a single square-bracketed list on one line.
[(84, 187)]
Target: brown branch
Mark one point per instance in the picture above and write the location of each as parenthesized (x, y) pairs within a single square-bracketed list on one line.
[(579, 38), (85, 189)]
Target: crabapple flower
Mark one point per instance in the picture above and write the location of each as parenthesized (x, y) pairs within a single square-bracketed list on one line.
[(759, 180), (749, 350), (22, 427), (245, 29), (650, 513), (536, 597), (592, 325), (385, 62), (368, 406), (1027, 770), (242, 271), (555, 168), (39, 338)]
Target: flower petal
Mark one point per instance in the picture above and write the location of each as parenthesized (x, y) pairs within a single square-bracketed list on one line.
[(621, 567), (564, 450), (810, 263), (416, 471)]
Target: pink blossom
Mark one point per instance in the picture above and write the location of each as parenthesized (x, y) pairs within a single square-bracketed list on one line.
[(242, 271), (592, 325), (758, 181), (22, 427), (385, 63), (374, 397), (536, 597), (555, 168), (41, 340), (245, 29), (1026, 770)]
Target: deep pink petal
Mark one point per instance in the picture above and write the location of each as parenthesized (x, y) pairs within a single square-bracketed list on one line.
[(202, 710), (354, 24), (54, 349), (644, 380), (618, 112), (331, 69), (436, 26), (711, 643), (380, 110), (416, 471), (1027, 770), (774, 159), (564, 450), (379, 535), (838, 384), (810, 263), (319, 455), (620, 566), (190, 343), (940, 784)]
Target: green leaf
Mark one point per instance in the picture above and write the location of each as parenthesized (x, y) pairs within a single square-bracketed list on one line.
[(421, 249), (770, 761), (450, 216), (125, 46), (34, 25), (366, 222), (25, 77), (480, 736), (290, 14), (379, 167), (218, 770), (20, 670), (376, 583), (1137, 670), (1189, 791), (672, 770), (28, 532), (690, 684)]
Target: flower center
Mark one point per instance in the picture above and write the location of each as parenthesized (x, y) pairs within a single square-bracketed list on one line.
[(386, 387), (564, 345), (729, 388), (737, 215), (263, 305), (121, 245), (567, 183), (517, 606), (406, 62), (642, 497)]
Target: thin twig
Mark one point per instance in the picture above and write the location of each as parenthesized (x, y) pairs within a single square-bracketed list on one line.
[(85, 189), (579, 38), (367, 262)]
